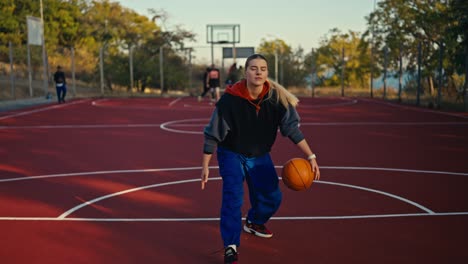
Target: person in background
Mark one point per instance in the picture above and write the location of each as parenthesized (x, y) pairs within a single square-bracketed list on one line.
[(232, 75), (206, 87), (243, 128), (60, 84), (240, 72), (213, 81)]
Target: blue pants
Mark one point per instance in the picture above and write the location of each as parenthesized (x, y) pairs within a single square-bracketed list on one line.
[(264, 193), (61, 92)]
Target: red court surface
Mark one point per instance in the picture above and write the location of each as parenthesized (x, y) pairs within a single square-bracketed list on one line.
[(118, 181)]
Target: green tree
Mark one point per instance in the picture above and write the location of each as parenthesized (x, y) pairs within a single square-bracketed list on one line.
[(9, 24), (403, 24), (329, 59), (459, 37), (293, 64), (13, 27)]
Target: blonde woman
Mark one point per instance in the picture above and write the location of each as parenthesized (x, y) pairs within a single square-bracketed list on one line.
[(242, 129)]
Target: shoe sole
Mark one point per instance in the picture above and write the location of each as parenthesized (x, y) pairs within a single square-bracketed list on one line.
[(251, 231), (233, 261)]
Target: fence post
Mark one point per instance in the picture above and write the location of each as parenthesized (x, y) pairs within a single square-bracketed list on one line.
[(400, 75), (312, 73), (101, 69), (161, 67), (385, 72), (439, 92), (465, 91), (12, 73), (29, 71), (73, 70), (190, 68), (131, 65), (342, 71), (45, 64), (465, 87), (418, 92)]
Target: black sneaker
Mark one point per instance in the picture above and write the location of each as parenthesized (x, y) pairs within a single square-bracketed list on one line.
[(230, 256), (258, 230)]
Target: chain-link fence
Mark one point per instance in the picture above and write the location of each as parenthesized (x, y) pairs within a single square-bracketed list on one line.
[(100, 72), (165, 71), (404, 77)]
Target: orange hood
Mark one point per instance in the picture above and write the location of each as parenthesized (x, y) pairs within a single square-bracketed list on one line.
[(240, 89)]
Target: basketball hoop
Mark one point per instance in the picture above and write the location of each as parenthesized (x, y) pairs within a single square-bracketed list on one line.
[(222, 34)]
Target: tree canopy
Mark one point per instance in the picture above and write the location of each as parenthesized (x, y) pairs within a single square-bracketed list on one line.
[(395, 28)]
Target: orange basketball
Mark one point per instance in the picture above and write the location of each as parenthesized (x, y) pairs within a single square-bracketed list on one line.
[(297, 174)]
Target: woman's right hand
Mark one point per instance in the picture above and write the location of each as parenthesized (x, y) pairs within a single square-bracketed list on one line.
[(315, 168), (205, 169), (204, 176)]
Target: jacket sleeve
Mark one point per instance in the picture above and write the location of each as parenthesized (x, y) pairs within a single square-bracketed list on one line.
[(214, 132), (289, 126)]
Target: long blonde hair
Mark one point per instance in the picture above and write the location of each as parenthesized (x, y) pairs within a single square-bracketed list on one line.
[(283, 96)]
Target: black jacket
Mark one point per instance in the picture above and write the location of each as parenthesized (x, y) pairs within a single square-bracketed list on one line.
[(236, 125)]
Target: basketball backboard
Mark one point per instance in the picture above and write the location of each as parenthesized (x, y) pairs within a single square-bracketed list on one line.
[(223, 33)]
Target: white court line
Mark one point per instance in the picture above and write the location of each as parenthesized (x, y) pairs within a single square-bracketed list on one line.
[(74, 174), (380, 192), (41, 109), (394, 169), (63, 216), (96, 103), (385, 124), (165, 126), (98, 199), (351, 102), (208, 219), (175, 101), (176, 123), (199, 106), (301, 105), (76, 208), (414, 108), (80, 126), (172, 123), (351, 123)]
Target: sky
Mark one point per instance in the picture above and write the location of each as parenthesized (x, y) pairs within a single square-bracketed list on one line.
[(300, 23)]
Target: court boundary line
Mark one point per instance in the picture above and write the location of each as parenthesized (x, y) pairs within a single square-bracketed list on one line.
[(201, 219), (300, 105), (140, 188), (413, 107), (64, 215), (347, 102), (80, 126), (97, 103), (175, 101), (165, 126), (356, 100), (74, 174), (42, 109)]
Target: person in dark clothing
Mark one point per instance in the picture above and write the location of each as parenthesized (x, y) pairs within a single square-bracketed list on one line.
[(232, 76), (213, 81), (243, 128), (60, 84), (206, 87)]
